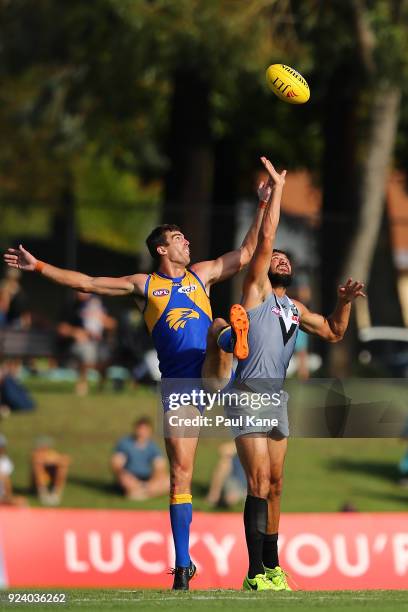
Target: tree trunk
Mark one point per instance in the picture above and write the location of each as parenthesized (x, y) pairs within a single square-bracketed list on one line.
[(380, 146), (65, 230), (339, 192), (189, 179), (382, 289), (223, 224), (339, 182), (369, 212)]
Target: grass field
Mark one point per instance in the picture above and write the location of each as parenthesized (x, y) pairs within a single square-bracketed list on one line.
[(350, 601), (320, 474)]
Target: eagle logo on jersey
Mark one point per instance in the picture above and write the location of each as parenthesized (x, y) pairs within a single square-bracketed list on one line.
[(178, 317)]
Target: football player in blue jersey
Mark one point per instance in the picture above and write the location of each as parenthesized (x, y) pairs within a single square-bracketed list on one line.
[(177, 310)]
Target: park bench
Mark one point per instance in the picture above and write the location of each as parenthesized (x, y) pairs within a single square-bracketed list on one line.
[(23, 343)]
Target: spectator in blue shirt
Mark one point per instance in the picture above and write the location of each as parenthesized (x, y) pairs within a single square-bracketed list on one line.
[(138, 463), (228, 483)]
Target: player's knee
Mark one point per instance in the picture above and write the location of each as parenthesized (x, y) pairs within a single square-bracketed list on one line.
[(214, 329), (180, 476), (259, 483), (275, 486)]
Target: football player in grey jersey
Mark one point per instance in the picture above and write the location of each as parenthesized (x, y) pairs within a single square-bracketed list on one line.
[(264, 329)]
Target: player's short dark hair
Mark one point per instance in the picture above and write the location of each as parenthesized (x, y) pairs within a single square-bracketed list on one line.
[(286, 253), (143, 420), (158, 237)]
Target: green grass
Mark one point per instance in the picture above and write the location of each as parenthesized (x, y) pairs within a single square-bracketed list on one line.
[(320, 475), (347, 601)]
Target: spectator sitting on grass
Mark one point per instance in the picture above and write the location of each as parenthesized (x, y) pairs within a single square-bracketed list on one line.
[(49, 471), (13, 394), (138, 464), (228, 482), (6, 469)]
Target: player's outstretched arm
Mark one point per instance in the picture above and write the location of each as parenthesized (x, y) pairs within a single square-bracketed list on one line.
[(332, 328), (24, 260), (231, 263), (256, 283)]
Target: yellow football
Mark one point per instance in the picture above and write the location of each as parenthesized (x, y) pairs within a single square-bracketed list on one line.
[(287, 84)]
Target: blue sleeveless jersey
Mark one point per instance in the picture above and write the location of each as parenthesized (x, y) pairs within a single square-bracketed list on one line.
[(178, 315)]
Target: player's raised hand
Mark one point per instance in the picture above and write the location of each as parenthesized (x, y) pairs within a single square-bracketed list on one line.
[(20, 258), (277, 179), (351, 290), (264, 190)]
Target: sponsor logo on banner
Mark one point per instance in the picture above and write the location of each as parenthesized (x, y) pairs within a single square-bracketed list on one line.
[(77, 548)]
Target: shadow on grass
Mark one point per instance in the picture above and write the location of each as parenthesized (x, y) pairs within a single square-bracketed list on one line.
[(199, 489), (25, 491), (398, 498), (379, 469), (102, 486), (51, 387)]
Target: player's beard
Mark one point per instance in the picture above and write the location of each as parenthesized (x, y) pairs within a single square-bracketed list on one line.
[(280, 280)]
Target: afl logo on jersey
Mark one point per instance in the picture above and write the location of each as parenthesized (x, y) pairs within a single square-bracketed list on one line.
[(160, 292), (187, 289)]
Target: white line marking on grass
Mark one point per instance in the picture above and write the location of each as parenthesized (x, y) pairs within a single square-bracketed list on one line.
[(243, 598), (302, 595), (104, 599), (176, 599)]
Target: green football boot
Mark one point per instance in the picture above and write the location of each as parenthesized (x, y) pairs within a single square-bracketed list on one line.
[(278, 578), (259, 583)]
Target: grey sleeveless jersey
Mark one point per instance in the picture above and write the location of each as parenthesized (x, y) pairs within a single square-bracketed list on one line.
[(273, 328)]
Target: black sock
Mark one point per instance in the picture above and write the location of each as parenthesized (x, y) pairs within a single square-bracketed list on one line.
[(270, 550), (255, 521)]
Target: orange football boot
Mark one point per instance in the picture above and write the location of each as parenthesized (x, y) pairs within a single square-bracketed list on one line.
[(240, 325)]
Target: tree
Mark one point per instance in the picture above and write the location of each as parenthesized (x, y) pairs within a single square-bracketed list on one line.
[(364, 65), (200, 52), (381, 49), (72, 76)]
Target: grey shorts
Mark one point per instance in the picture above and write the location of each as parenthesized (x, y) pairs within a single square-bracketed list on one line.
[(254, 413)]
